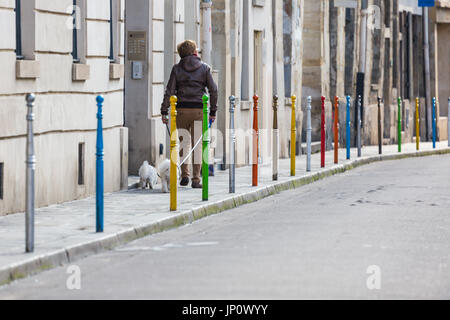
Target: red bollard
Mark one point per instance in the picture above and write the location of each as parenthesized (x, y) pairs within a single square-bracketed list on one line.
[(255, 141), (322, 148), (336, 130)]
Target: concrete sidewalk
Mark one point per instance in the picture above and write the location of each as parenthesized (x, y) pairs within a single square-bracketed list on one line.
[(66, 232)]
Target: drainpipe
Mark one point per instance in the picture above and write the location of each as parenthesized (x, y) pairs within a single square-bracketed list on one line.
[(362, 59), (363, 37), (206, 31), (206, 44), (426, 49)]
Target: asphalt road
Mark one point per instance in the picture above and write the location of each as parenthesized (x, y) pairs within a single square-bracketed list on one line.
[(386, 224)]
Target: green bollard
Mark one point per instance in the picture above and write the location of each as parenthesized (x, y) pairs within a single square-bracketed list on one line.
[(399, 126), (205, 151)]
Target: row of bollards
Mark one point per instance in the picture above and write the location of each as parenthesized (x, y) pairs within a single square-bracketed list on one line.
[(232, 159), (275, 136), (205, 152), (31, 168), (31, 158)]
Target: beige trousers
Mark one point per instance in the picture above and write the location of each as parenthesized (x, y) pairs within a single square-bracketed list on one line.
[(189, 126)]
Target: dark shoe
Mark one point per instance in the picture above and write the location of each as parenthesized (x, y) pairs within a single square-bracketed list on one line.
[(196, 185), (184, 182)]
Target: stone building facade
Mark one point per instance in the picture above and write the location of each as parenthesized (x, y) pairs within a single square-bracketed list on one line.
[(394, 65), (252, 52), (125, 49), (254, 55), (40, 53)]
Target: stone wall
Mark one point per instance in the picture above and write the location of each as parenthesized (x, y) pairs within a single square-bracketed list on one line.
[(65, 108)]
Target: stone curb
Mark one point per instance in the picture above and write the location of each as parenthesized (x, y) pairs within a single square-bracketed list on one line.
[(70, 254)]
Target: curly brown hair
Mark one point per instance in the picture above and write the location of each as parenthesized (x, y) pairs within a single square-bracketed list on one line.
[(187, 48)]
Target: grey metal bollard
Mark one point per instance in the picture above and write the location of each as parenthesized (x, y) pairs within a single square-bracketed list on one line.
[(308, 134), (276, 140), (448, 126), (232, 171), (31, 166), (358, 126)]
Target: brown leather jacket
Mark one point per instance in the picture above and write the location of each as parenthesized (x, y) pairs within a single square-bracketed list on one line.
[(188, 81)]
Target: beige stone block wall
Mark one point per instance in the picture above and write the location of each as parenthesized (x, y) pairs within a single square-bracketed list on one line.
[(57, 168), (7, 18), (65, 110), (371, 124), (52, 32), (60, 6), (98, 38), (442, 129)]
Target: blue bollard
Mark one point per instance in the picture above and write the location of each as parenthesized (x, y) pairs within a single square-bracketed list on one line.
[(434, 123), (348, 136), (99, 167)]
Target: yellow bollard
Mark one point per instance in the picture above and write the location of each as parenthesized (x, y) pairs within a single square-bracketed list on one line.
[(173, 154), (417, 125), (293, 136)]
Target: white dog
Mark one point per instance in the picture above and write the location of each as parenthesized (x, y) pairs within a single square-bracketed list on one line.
[(148, 176), (164, 174)]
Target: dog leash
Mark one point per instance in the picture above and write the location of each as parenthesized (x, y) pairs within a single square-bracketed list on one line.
[(195, 146)]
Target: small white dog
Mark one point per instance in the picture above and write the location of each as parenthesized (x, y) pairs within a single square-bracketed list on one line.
[(148, 176), (164, 174)]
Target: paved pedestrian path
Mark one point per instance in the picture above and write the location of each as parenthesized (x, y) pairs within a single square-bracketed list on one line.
[(66, 232)]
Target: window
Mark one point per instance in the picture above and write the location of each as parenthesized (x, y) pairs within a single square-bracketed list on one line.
[(245, 72), (1, 181), (114, 31), (387, 14), (76, 23), (18, 30), (287, 40), (25, 32), (81, 164), (111, 31)]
